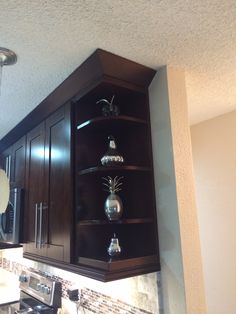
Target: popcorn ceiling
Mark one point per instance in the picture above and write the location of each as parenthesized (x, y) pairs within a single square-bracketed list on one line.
[(52, 38)]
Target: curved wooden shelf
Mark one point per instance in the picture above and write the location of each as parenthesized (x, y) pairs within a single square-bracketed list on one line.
[(113, 168), (96, 222), (123, 262), (105, 121)]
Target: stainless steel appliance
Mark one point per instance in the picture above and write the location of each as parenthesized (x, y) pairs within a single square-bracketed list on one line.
[(10, 220), (39, 294)]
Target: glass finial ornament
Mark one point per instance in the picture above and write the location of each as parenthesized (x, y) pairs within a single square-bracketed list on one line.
[(114, 248), (7, 57), (113, 206), (112, 157), (109, 109)]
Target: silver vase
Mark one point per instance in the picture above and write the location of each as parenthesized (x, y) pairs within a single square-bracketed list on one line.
[(112, 156), (114, 248), (113, 207)]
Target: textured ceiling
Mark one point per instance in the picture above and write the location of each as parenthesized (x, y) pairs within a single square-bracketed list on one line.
[(51, 38)]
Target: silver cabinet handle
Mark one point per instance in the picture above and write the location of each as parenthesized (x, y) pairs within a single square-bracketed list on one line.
[(8, 166), (40, 223), (36, 226)]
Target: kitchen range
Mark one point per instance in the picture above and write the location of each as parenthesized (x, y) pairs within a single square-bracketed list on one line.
[(39, 294)]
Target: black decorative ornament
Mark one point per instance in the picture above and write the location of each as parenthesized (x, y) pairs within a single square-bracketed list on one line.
[(109, 109)]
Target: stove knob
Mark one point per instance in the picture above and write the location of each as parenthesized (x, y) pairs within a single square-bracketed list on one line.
[(42, 287), (47, 290), (23, 278)]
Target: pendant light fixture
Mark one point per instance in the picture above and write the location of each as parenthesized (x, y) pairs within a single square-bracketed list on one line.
[(7, 57)]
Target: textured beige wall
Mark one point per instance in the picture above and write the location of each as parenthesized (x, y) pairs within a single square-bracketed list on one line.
[(167, 210), (182, 279), (214, 155), (191, 251)]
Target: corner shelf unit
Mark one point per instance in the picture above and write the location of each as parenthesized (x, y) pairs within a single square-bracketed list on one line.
[(137, 228)]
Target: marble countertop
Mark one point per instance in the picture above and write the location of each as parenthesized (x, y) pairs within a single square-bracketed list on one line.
[(9, 287)]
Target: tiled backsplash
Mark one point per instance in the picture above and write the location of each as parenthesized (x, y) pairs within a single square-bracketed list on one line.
[(136, 295)]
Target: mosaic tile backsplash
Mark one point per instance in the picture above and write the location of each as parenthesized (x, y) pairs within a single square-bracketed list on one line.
[(136, 295)]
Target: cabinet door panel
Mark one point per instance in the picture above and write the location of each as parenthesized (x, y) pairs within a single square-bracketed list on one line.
[(48, 185), (57, 187), (34, 184), (18, 162), (6, 162), (13, 162)]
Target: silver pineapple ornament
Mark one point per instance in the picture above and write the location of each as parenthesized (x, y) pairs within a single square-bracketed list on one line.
[(113, 205)]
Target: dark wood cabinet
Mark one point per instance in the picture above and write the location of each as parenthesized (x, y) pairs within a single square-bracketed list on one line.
[(6, 161), (58, 184), (13, 162), (18, 161), (48, 188), (34, 185), (66, 136)]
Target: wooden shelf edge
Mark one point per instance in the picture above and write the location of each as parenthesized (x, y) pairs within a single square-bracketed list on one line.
[(115, 222), (121, 118), (131, 272), (4, 245), (118, 264), (99, 274), (113, 168)]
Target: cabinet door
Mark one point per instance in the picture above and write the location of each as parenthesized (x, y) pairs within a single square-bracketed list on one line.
[(18, 163), (34, 188), (57, 186), (13, 162), (48, 189), (6, 162)]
